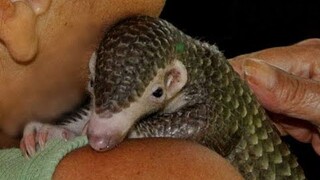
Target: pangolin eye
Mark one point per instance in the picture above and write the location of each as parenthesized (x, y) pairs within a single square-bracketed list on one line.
[(158, 92)]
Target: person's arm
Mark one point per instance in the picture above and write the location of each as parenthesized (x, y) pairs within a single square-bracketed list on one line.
[(286, 80), (147, 159)]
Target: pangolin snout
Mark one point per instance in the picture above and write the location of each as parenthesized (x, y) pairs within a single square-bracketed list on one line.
[(104, 133), (104, 143)]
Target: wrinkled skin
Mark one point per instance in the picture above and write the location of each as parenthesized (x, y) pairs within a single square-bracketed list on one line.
[(44, 64)]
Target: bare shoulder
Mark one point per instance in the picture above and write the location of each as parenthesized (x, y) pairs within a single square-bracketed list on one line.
[(147, 159)]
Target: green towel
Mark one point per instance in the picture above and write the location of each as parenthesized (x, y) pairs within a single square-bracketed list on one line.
[(13, 165)]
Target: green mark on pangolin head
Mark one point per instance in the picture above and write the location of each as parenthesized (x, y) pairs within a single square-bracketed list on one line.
[(180, 47)]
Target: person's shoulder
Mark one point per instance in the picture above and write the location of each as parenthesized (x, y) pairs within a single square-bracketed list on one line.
[(147, 159)]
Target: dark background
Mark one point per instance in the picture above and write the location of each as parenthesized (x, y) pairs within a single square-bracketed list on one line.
[(239, 27)]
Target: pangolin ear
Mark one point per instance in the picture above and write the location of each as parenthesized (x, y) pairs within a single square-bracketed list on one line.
[(175, 78)]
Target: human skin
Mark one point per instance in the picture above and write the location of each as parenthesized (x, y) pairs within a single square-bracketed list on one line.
[(147, 159), (45, 50), (286, 82)]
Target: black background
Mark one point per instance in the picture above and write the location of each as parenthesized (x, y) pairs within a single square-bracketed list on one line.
[(239, 27)]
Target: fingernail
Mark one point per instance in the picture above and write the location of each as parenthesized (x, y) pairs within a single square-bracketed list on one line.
[(259, 73)]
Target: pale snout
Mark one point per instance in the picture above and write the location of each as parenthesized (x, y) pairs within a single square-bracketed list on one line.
[(104, 133), (104, 142)]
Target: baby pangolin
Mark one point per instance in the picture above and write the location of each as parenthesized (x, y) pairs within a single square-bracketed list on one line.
[(148, 79)]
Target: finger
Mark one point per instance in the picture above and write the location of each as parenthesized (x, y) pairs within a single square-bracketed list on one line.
[(302, 131), (299, 129), (302, 59), (283, 93)]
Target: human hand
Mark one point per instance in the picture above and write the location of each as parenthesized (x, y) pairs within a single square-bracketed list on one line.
[(286, 81)]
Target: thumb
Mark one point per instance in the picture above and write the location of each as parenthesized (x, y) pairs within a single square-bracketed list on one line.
[(283, 93)]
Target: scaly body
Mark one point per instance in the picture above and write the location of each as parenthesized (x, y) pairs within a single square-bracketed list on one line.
[(151, 80)]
